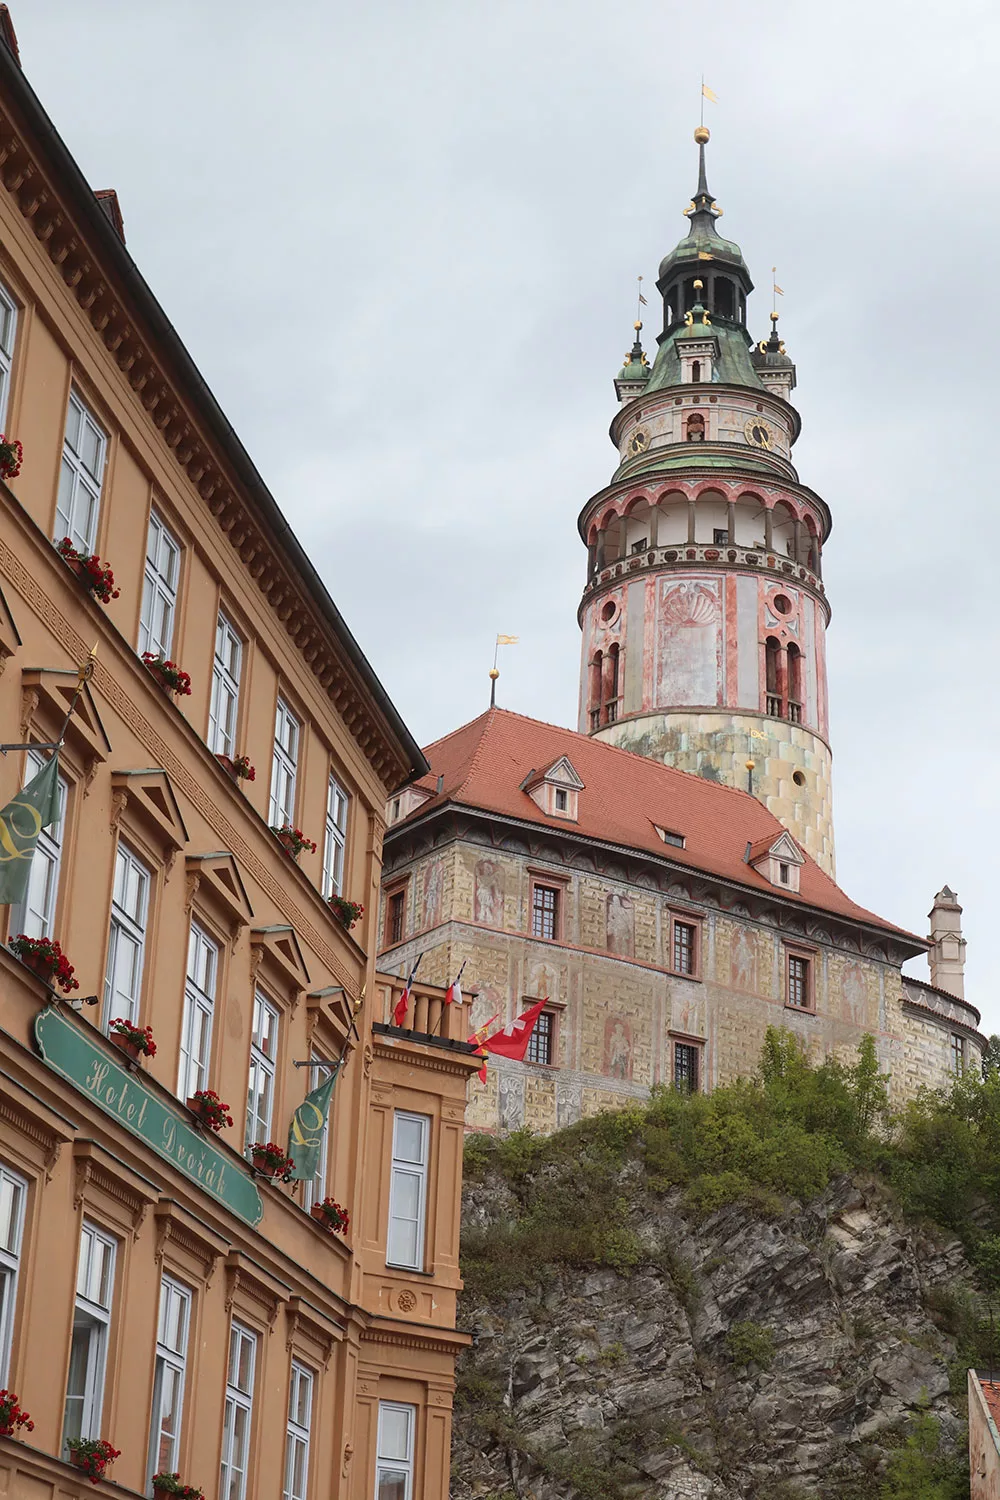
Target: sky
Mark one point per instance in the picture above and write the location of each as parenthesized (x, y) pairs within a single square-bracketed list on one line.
[(401, 241)]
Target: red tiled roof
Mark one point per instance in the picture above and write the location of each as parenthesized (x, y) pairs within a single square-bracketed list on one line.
[(991, 1393), (624, 797)]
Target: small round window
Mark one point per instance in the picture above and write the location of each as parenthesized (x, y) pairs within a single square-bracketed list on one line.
[(782, 604), (609, 611), (799, 778)]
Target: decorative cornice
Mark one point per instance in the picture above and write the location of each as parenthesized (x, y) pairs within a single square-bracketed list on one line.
[(411, 1338), (946, 1022)]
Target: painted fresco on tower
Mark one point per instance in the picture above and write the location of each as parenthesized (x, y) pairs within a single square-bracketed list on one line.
[(689, 648), (433, 887), (489, 893), (620, 925), (743, 960), (617, 1047)]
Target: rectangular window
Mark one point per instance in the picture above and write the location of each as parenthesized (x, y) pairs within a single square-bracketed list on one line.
[(13, 1194), (685, 936), (159, 589), (544, 911), (263, 1051), (300, 1398), (283, 764), (315, 1188), (88, 1356), (237, 1414), (394, 1460), (562, 799), (798, 981), (36, 914), (408, 1190), (957, 1054), (394, 913), (686, 1067), (80, 477), (8, 333), (199, 1009), (225, 689), (336, 838), (127, 939), (720, 536), (168, 1377), (540, 1043)]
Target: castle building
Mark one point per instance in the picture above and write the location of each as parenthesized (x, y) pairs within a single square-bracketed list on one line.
[(664, 874), (157, 1289)]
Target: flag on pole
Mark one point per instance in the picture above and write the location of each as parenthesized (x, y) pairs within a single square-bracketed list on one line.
[(513, 1040), (708, 94), (477, 1039), (305, 1133), (454, 995), (403, 1003), (643, 300), (33, 808), (508, 640), (779, 290)]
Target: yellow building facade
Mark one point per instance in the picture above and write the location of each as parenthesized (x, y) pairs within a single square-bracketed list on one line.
[(155, 1290)]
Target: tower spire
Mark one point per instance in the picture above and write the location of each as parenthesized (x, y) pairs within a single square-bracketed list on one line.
[(703, 205)]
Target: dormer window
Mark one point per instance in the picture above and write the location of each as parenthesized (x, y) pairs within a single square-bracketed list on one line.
[(778, 858), (405, 802), (783, 875), (562, 799), (556, 790)]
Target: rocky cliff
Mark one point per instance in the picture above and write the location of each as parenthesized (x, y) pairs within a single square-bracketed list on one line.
[(767, 1348)]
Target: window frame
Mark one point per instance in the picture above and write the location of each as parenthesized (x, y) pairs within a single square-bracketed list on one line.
[(197, 1001), (335, 839), (123, 922), (98, 1324), (49, 846), (297, 1434), (262, 1066), (807, 957), (392, 894), (221, 742), (81, 476), (551, 1016), (159, 595), (696, 1050), (401, 1167), (404, 1466), (284, 764), (8, 348), (556, 891), (10, 1266), (681, 916), (237, 1399), (166, 1357), (959, 1054)]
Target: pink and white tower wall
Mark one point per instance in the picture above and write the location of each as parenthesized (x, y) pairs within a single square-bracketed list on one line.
[(704, 613)]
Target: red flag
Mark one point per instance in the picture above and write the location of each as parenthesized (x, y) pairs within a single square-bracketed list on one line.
[(478, 1037), (513, 1040), (403, 1003), (454, 995)]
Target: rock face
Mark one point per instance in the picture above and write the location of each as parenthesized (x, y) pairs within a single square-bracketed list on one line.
[(747, 1358)]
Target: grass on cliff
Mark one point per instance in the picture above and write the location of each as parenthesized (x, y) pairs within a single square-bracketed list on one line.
[(783, 1134)]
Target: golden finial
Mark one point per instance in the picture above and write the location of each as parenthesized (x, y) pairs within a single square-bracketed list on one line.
[(698, 285), (637, 326), (751, 764), (701, 135), (494, 674), (774, 317)]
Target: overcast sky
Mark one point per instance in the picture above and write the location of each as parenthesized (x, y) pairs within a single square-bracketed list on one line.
[(401, 241)]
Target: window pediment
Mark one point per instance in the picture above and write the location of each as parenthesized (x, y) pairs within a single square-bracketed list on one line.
[(778, 859), (149, 798), (9, 637), (277, 948), (46, 695), (216, 879)]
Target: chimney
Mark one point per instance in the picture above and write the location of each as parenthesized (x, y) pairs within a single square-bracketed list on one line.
[(947, 955)]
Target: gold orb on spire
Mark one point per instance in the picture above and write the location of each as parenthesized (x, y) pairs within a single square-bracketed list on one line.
[(774, 317), (494, 674), (637, 326), (701, 134), (698, 285)]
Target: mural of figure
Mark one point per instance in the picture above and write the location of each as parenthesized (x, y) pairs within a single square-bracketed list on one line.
[(433, 883), (489, 893), (855, 993), (617, 1048), (744, 960), (621, 932)]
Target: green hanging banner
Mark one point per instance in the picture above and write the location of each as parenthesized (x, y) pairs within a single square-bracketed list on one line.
[(305, 1133), (33, 808)]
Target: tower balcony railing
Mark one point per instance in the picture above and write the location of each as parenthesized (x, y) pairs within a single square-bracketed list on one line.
[(777, 708), (707, 554), (773, 703), (427, 1015)]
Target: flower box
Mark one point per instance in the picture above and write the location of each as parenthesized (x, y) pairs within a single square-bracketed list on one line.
[(11, 1415), (96, 577), (333, 1217), (11, 456), (237, 766), (171, 678), (134, 1041), (347, 912), (165, 1484), (293, 840), (92, 1455), (270, 1160), (44, 957), (209, 1109)]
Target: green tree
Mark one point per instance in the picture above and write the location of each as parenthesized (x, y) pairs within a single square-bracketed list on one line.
[(920, 1470)]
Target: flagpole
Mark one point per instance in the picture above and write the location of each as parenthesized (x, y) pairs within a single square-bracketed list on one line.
[(456, 980), (84, 673)]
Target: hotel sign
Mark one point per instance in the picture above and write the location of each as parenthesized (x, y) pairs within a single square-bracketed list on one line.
[(124, 1096)]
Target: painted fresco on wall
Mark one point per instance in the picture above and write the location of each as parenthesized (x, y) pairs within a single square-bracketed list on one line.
[(433, 886), (744, 960), (543, 981), (689, 647), (854, 989), (489, 893), (620, 925), (617, 1047)]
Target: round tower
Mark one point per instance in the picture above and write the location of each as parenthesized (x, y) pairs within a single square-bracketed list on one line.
[(704, 613)]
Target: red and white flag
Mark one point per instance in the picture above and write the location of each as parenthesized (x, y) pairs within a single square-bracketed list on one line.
[(403, 1003), (454, 995), (477, 1038), (513, 1040)]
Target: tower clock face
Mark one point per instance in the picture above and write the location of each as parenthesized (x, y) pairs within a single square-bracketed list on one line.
[(758, 433), (638, 442)]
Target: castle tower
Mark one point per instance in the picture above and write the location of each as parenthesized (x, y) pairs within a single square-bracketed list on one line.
[(704, 613)]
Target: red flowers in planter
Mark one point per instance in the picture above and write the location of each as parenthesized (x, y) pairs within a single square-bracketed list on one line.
[(44, 957), (11, 454), (170, 1484), (209, 1108), (331, 1215), (132, 1039), (167, 673), (11, 1415), (292, 840), (238, 766), (95, 576), (271, 1160), (92, 1455), (346, 911)]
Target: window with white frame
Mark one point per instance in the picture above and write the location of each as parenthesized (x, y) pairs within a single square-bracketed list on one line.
[(225, 688), (88, 1357), (80, 476), (394, 1460), (168, 1377), (127, 938), (8, 333), (159, 589), (300, 1399), (408, 1190), (238, 1413), (336, 836), (314, 1190), (13, 1194), (36, 914), (199, 1010), (283, 764), (263, 1050)]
